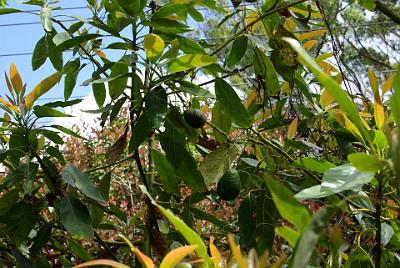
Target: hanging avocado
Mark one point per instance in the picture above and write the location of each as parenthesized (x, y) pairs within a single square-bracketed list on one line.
[(228, 187), (195, 118)]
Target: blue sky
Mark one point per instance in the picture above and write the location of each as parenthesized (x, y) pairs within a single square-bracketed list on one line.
[(23, 38)]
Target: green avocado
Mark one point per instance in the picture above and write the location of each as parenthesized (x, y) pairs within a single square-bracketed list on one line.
[(195, 118), (228, 187)]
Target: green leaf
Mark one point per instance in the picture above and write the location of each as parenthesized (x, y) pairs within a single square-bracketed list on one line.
[(289, 208), (140, 131), (366, 162), (166, 173), (313, 164), (75, 218), (238, 50), (118, 85), (156, 105), (132, 7), (71, 69), (190, 61), (345, 177), (41, 238), (341, 97), (62, 104), (96, 212), (99, 91), (196, 90), (45, 111), (73, 42), (67, 131), (51, 135), (367, 4), (79, 250), (264, 67), (210, 218), (218, 162), (39, 53), (8, 200), (76, 178), (45, 18), (359, 258), (173, 143), (309, 239), (221, 120), (169, 9), (231, 103), (247, 221), (191, 236), (6, 10), (315, 191), (188, 46), (290, 235), (395, 99)]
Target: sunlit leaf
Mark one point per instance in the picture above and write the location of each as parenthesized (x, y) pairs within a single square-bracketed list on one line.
[(190, 61), (16, 79), (41, 88), (100, 262), (292, 128), (153, 46), (175, 256)]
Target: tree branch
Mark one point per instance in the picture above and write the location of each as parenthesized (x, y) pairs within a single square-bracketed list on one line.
[(389, 12)]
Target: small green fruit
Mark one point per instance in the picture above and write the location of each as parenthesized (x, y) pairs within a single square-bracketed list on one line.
[(195, 118), (228, 187)]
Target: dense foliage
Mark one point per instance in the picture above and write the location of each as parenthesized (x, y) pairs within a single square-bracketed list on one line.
[(208, 142)]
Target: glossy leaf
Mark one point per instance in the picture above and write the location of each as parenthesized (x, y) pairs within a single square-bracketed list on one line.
[(101, 262), (45, 18), (191, 236), (176, 255), (16, 79), (39, 53), (6, 10), (41, 88), (76, 178), (314, 164), (73, 42), (289, 208), (99, 91), (75, 218), (118, 85), (44, 111), (231, 103), (190, 61)]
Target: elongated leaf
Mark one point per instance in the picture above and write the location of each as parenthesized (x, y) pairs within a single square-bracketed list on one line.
[(41, 238), (264, 67), (191, 236), (334, 89), (118, 85), (238, 50), (166, 172), (395, 99), (210, 218), (196, 90), (75, 218), (156, 105), (6, 10), (41, 88), (101, 262), (314, 164), (44, 111), (99, 91), (190, 61), (175, 256), (15, 78), (39, 53), (45, 18), (292, 128), (289, 208), (140, 131), (288, 234), (73, 42), (80, 180), (231, 103), (359, 258), (67, 131), (309, 239)]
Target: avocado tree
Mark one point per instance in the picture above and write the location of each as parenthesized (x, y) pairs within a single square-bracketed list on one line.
[(307, 171)]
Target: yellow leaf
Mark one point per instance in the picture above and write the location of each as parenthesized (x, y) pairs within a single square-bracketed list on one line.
[(175, 45), (175, 256), (327, 67), (309, 44), (292, 128), (9, 105), (303, 12), (237, 254), (346, 123), (215, 254), (100, 53), (15, 78), (326, 99), (290, 25), (251, 18), (379, 113), (373, 81), (144, 260), (7, 119), (153, 46), (102, 262), (388, 84), (41, 88), (308, 35), (253, 95)]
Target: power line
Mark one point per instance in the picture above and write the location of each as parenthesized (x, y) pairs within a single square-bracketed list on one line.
[(31, 23)]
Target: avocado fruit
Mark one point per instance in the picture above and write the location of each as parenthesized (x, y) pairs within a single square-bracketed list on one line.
[(229, 186), (195, 118)]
